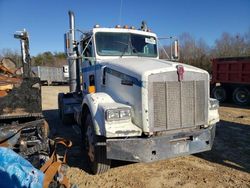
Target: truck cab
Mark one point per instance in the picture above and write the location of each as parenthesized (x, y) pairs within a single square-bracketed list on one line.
[(132, 105)]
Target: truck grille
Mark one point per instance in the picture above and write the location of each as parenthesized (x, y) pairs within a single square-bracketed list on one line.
[(176, 104)]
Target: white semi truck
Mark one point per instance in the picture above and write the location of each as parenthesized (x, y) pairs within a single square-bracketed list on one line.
[(130, 104)]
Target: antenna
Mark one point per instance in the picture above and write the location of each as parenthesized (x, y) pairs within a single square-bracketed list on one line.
[(120, 19)]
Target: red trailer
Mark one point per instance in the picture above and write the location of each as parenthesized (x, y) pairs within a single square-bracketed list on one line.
[(231, 79)]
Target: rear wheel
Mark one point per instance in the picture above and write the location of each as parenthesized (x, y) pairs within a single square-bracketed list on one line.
[(241, 96), (95, 148), (219, 93), (65, 118), (60, 99)]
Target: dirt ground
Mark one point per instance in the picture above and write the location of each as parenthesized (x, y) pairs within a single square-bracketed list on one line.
[(226, 165)]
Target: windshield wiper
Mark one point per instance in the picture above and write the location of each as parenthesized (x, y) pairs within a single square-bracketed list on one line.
[(125, 49), (128, 45)]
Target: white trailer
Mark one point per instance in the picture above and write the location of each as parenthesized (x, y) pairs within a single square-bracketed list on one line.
[(132, 105), (51, 75)]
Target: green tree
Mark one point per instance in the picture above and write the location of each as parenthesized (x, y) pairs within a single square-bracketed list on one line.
[(56, 59)]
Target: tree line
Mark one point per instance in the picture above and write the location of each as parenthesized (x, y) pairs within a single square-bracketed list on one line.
[(198, 53), (192, 51), (55, 59)]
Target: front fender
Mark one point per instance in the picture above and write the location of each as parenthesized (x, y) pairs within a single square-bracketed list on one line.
[(92, 101), (97, 104)]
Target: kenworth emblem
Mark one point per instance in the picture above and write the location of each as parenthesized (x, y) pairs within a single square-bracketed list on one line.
[(180, 72)]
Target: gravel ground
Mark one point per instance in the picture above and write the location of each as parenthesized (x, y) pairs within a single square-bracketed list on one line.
[(226, 165)]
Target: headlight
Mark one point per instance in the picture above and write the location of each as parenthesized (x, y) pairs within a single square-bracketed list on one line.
[(112, 114), (125, 113), (118, 114), (214, 104)]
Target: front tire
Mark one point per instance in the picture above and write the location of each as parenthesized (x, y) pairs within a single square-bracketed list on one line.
[(95, 148)]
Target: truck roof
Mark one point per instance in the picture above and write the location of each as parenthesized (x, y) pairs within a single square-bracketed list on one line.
[(121, 30)]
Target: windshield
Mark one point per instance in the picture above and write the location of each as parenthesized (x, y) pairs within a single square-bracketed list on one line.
[(125, 44)]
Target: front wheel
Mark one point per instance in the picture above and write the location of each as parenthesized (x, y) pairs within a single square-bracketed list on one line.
[(95, 149)]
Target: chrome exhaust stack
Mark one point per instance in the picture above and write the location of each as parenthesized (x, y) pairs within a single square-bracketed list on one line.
[(176, 50), (71, 49), (72, 25)]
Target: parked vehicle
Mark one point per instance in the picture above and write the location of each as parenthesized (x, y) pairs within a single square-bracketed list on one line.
[(131, 105), (231, 79), (51, 75)]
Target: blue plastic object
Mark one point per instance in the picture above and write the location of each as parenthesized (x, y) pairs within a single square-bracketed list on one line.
[(15, 171)]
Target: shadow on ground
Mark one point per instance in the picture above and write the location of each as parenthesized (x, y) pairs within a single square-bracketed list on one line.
[(76, 156), (231, 146)]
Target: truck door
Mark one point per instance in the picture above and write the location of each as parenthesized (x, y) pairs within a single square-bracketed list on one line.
[(88, 66)]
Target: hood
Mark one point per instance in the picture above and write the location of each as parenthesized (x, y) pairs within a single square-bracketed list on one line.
[(137, 67)]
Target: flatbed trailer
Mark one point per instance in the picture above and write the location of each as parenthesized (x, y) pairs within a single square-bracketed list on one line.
[(50, 75)]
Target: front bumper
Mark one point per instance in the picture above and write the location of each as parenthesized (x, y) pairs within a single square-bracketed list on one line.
[(161, 147)]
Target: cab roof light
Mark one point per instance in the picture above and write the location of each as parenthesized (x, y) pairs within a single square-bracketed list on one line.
[(96, 26), (125, 27), (118, 26), (132, 27)]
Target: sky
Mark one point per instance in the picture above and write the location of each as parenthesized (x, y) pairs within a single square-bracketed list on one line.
[(47, 20)]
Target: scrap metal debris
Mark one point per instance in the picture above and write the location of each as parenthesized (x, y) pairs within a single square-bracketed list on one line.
[(8, 78)]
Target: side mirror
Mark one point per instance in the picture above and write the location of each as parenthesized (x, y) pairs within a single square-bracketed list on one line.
[(176, 50)]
